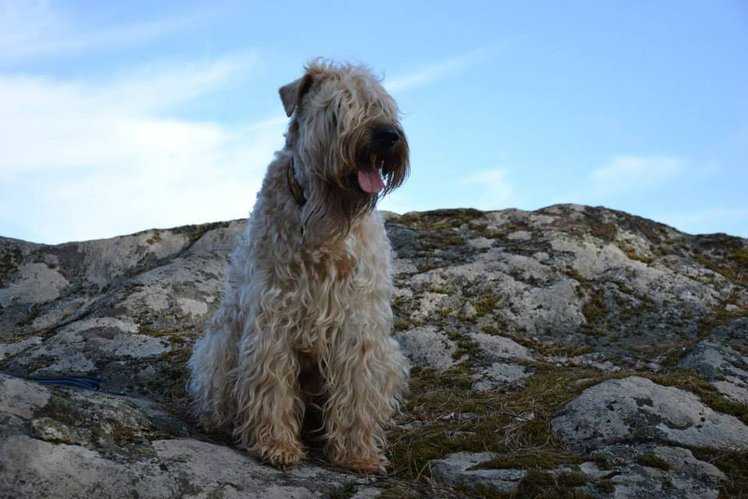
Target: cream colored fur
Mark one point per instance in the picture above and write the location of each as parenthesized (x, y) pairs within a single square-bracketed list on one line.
[(308, 290)]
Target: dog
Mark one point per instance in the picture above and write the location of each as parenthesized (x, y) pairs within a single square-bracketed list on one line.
[(305, 322)]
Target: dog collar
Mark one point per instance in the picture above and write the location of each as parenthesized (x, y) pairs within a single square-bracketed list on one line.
[(293, 185)]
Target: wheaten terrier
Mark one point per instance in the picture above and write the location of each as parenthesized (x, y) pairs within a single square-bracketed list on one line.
[(305, 320)]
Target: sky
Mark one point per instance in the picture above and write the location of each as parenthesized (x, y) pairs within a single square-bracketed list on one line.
[(117, 117)]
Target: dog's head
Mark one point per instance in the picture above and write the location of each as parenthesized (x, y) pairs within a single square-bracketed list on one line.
[(348, 146)]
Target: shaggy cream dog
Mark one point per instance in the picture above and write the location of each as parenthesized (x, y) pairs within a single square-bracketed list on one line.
[(305, 320)]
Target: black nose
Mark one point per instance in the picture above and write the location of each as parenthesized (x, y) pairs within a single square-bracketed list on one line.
[(386, 136)]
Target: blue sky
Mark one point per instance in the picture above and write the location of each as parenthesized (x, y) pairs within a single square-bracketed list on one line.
[(121, 116)]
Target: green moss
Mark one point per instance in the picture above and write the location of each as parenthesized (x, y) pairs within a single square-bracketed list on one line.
[(605, 486), (481, 491), (595, 312), (732, 267), (486, 304), (449, 239), (571, 479), (530, 460), (155, 238), (31, 315), (402, 324), (484, 230), (549, 348), (652, 460), (574, 274), (605, 231), (517, 422), (539, 485), (345, 492), (721, 316), (741, 257), (195, 232), (489, 329), (122, 435), (10, 259), (466, 347), (440, 219), (633, 255), (602, 462), (675, 353), (172, 379), (401, 491)]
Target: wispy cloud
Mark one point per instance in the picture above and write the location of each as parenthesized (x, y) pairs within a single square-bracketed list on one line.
[(725, 219), (39, 28), (46, 122), (489, 189), (425, 75), (83, 160), (627, 174)]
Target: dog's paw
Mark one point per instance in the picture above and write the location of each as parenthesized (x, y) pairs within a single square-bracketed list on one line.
[(370, 466), (282, 455)]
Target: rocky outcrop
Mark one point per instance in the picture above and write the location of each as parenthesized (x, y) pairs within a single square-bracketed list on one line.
[(571, 351), (635, 409)]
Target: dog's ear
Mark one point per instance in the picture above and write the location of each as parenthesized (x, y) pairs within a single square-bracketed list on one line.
[(292, 93)]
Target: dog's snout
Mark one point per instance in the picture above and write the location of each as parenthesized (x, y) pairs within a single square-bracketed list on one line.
[(386, 136)]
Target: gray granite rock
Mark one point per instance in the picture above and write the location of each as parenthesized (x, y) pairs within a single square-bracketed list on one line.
[(635, 409), (651, 470), (459, 469), (65, 443), (500, 375), (428, 347), (500, 348), (725, 368)]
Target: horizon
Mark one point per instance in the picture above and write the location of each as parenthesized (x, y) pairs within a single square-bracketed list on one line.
[(116, 119), (399, 214)]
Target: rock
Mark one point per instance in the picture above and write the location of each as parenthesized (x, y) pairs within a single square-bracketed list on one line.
[(500, 375), (656, 471), (36, 283), (64, 443), (79, 345), (428, 347), (594, 360), (725, 368), (367, 493), (500, 348), (21, 398), (458, 469), (636, 409), (9, 349)]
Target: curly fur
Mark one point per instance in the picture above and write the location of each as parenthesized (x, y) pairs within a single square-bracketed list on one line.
[(306, 316)]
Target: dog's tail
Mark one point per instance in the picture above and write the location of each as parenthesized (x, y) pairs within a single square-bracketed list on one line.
[(210, 368)]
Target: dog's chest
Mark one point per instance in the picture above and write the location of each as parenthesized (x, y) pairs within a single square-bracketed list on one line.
[(338, 266), (340, 280)]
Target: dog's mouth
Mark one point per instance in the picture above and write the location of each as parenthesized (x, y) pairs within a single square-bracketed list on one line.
[(381, 163), (370, 178)]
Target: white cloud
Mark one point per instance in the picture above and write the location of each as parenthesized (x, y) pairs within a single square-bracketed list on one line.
[(633, 174), (729, 220), (38, 28), (46, 123), (489, 189), (83, 160), (433, 72)]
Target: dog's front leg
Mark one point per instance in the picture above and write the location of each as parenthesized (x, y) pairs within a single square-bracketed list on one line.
[(268, 420), (366, 378)]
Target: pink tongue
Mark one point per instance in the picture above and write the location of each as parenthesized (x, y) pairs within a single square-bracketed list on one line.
[(370, 180)]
